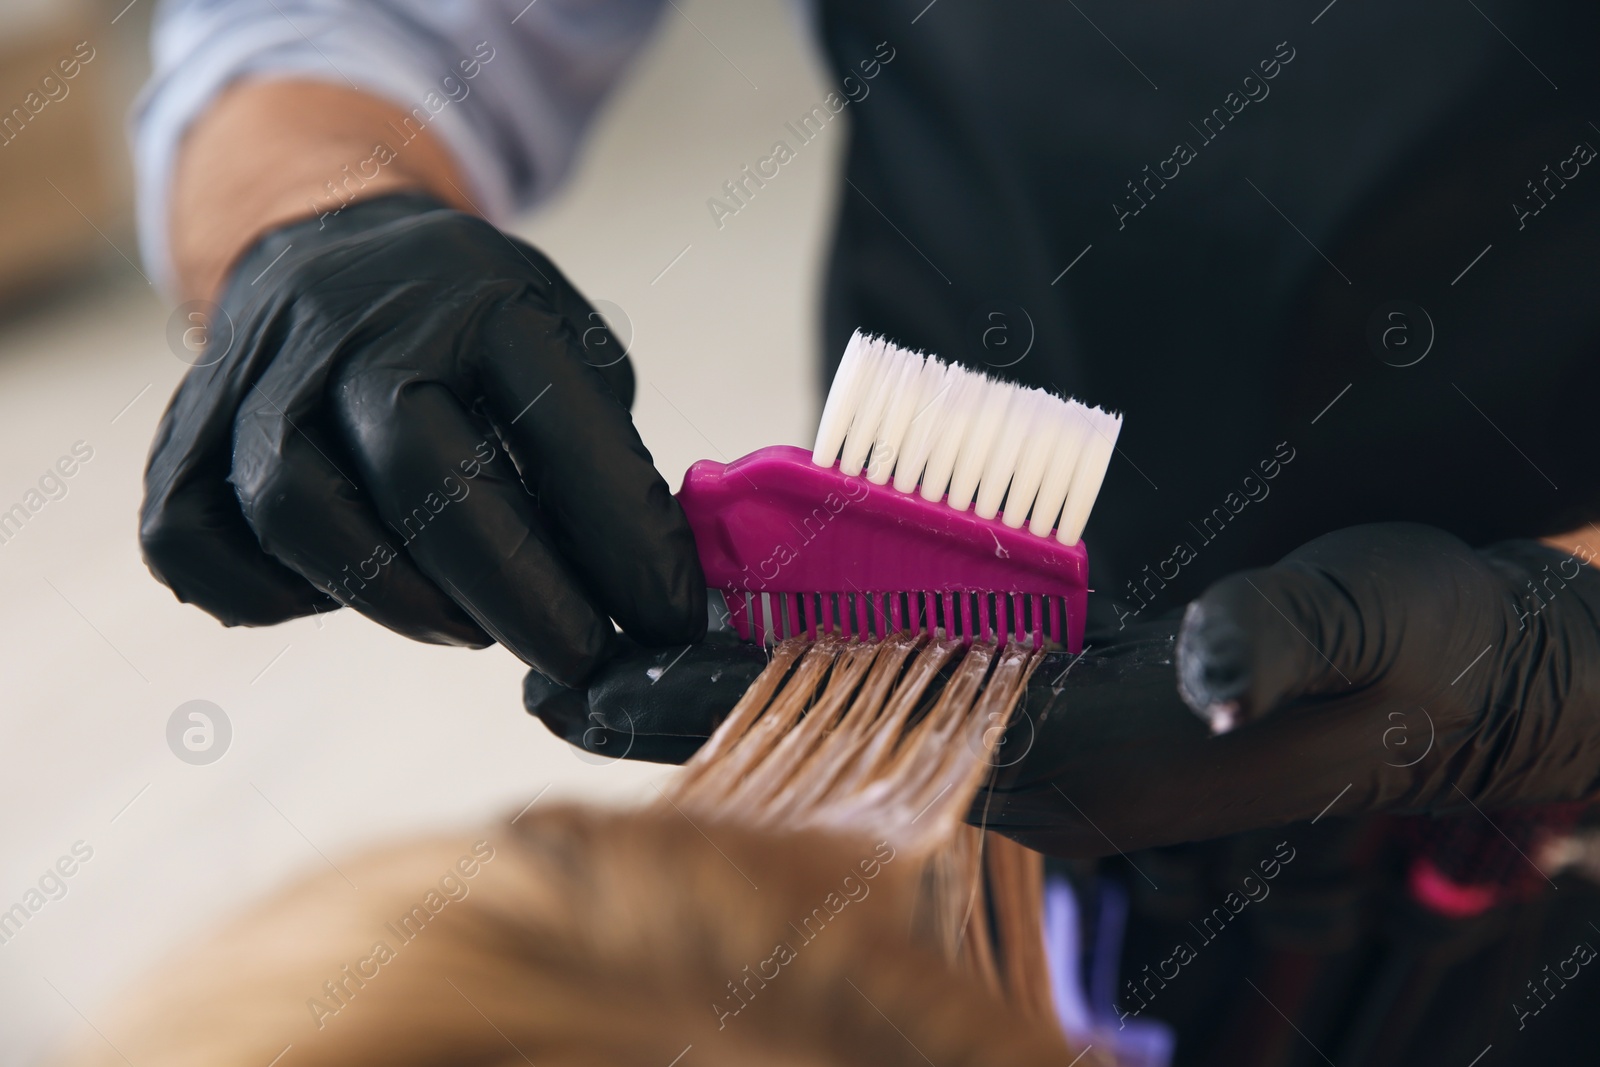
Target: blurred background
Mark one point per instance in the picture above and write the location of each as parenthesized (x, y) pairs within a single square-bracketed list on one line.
[(333, 733)]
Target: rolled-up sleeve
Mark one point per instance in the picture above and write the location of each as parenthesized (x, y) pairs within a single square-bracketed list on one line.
[(507, 86)]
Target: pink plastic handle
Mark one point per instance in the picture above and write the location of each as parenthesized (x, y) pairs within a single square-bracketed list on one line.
[(776, 523)]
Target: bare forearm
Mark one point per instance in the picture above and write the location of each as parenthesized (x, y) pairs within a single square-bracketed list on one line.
[(264, 154)]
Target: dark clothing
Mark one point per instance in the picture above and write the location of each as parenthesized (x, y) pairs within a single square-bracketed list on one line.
[(1338, 268), (1335, 943), (1001, 142)]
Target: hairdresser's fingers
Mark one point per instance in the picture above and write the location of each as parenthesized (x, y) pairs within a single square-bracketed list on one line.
[(580, 730), (597, 345), (610, 511), (308, 512), (191, 531), (1150, 774), (194, 535), (1104, 757), (681, 691), (565, 711), (1350, 610), (652, 704), (460, 512)]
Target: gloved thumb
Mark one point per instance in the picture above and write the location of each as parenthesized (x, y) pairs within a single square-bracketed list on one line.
[(1257, 640), (1337, 614), (656, 704)]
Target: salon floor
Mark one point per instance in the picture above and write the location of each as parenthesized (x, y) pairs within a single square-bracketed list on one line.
[(342, 734)]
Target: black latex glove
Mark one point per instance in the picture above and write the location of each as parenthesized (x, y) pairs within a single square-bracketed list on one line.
[(419, 417), (1379, 668), (657, 705)]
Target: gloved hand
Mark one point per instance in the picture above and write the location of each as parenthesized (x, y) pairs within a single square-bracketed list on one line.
[(1379, 668), (657, 705), (417, 416)]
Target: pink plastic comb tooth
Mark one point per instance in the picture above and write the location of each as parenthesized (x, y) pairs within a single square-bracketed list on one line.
[(776, 523)]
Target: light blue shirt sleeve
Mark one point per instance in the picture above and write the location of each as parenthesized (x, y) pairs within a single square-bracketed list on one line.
[(508, 86)]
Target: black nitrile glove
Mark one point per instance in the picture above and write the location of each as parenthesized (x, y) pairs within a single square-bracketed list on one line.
[(657, 705), (418, 416), (1379, 668)]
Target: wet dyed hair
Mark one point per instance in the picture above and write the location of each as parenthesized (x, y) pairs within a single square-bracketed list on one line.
[(806, 893)]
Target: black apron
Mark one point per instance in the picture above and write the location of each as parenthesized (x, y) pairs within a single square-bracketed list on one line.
[(1392, 146), (1336, 263)]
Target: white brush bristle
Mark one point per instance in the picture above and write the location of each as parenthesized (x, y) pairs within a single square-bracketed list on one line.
[(956, 434)]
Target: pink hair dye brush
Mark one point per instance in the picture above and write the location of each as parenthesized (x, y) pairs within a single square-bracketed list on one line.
[(894, 520)]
